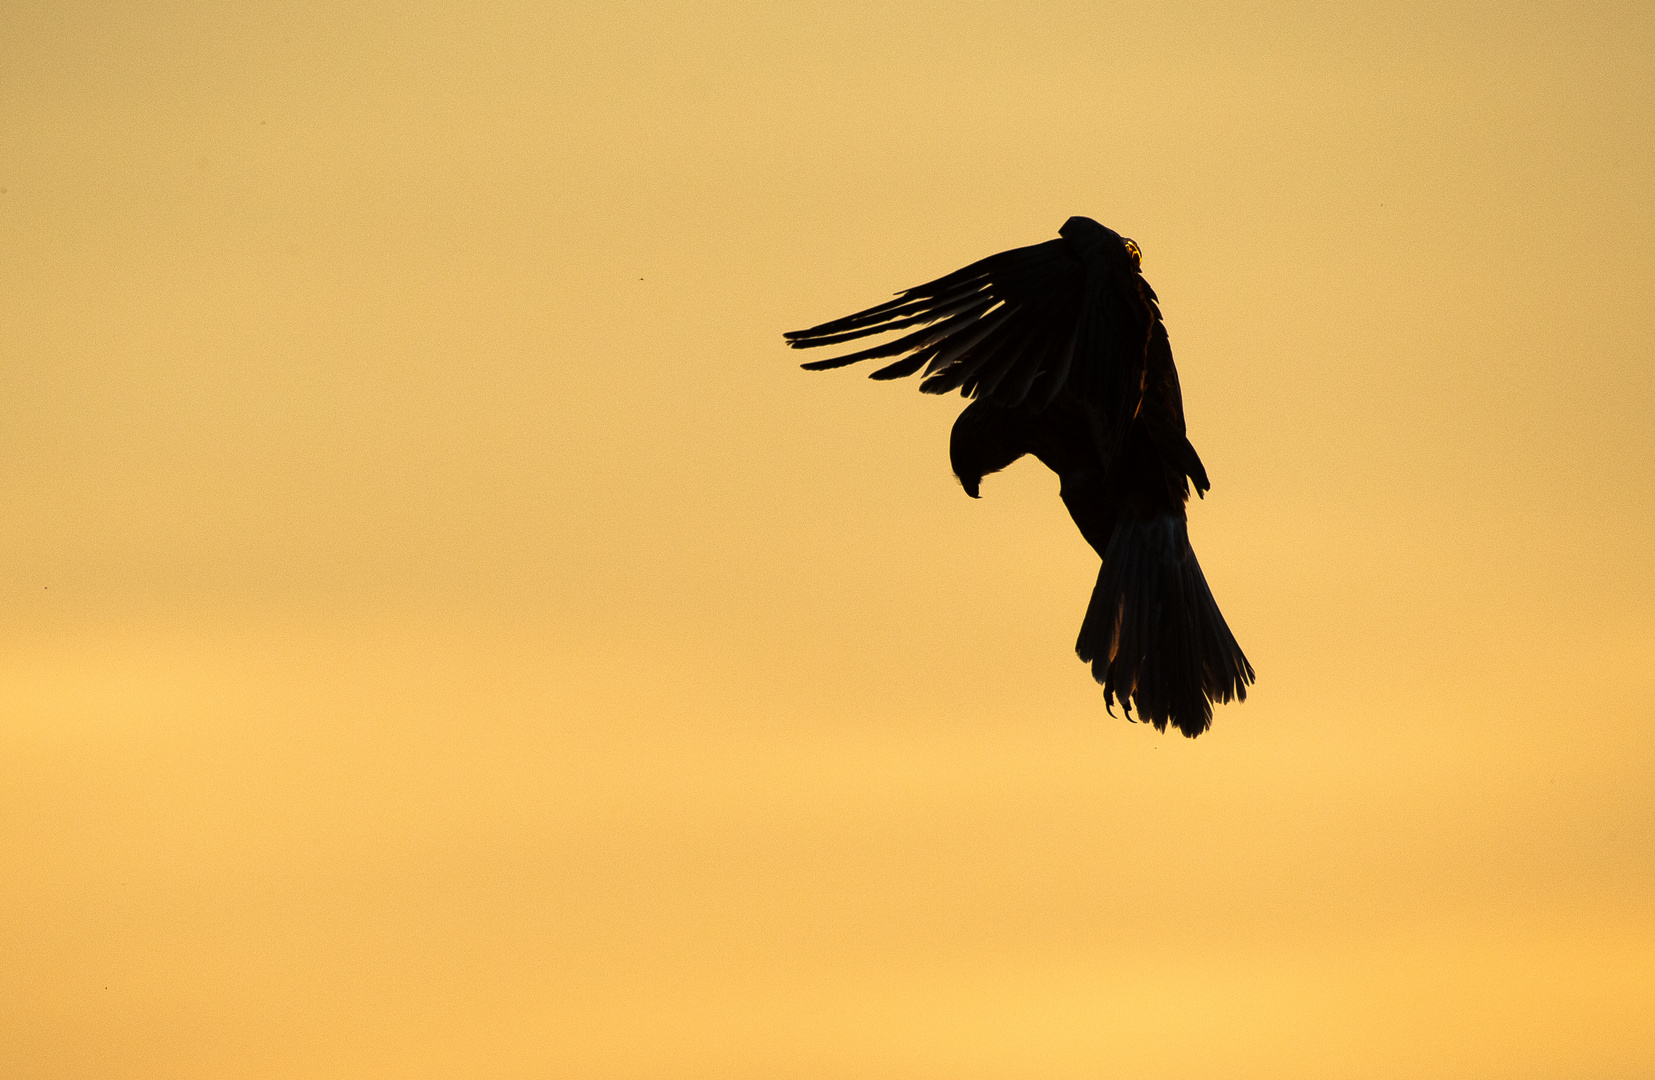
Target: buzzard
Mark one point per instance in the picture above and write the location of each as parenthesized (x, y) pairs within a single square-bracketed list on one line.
[(1061, 349)]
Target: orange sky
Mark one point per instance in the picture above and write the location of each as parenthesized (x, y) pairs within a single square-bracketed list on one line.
[(445, 635)]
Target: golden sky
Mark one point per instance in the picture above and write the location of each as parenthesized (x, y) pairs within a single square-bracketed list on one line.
[(443, 634)]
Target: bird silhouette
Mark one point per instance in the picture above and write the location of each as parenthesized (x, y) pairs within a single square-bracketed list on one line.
[(1062, 350)]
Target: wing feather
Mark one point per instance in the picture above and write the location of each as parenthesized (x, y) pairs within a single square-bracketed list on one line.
[(917, 340), (1009, 340), (993, 316), (1022, 326)]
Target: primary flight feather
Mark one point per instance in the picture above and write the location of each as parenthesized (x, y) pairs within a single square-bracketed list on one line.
[(1062, 349)]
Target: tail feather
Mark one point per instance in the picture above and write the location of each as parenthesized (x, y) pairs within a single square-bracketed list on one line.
[(1153, 633)]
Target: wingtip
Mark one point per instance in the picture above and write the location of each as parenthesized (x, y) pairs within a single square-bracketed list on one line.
[(829, 364)]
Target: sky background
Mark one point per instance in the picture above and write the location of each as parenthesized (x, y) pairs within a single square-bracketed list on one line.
[(443, 634)]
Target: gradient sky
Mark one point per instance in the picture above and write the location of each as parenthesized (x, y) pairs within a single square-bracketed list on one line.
[(443, 634)]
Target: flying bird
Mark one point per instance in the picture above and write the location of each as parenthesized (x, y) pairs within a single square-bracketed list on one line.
[(1061, 349)]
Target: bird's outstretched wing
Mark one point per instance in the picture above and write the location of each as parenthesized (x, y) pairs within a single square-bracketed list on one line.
[(996, 330)]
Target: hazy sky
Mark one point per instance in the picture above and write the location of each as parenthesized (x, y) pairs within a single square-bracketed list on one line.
[(443, 634)]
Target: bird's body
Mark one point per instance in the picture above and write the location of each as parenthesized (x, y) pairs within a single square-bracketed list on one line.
[(1062, 347)]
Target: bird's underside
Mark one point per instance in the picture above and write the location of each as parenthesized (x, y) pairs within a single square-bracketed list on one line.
[(1062, 349)]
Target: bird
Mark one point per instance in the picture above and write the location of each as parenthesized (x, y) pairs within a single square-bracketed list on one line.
[(1062, 351)]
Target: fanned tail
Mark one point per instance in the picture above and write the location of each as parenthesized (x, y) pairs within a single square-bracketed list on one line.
[(1153, 633)]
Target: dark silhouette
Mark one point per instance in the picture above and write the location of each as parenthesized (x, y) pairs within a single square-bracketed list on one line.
[(1062, 347)]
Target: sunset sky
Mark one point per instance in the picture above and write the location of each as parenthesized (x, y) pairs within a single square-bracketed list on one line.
[(443, 634)]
